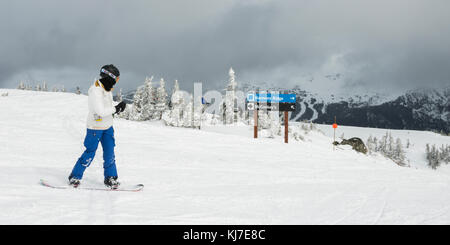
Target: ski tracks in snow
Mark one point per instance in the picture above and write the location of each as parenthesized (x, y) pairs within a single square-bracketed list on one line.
[(371, 211), (382, 209)]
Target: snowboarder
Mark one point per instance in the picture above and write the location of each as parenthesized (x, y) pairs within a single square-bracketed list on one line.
[(100, 129)]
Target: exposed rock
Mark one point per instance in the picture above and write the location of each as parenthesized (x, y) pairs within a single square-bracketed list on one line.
[(356, 143)]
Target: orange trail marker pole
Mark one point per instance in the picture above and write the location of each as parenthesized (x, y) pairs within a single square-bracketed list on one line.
[(334, 133)]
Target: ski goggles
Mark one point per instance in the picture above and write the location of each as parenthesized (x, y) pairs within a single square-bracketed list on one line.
[(110, 74)]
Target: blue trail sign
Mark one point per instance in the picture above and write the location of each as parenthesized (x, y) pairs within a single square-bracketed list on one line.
[(271, 98)]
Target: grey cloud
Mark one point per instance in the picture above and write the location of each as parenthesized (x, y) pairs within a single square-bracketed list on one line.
[(390, 45)]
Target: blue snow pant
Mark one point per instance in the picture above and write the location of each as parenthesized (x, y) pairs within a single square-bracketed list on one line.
[(93, 137)]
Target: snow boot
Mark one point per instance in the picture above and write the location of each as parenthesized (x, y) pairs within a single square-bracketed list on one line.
[(74, 182), (112, 182)]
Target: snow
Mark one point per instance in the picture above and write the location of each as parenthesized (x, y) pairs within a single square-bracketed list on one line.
[(418, 140), (217, 175)]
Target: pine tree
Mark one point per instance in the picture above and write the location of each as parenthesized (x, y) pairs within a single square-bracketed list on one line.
[(160, 100), (447, 155), (370, 144), (228, 106), (120, 96), (175, 98), (390, 147), (382, 146), (44, 86), (275, 124), (197, 111), (143, 106), (138, 103), (375, 144), (173, 116), (187, 115), (148, 100), (21, 86), (433, 160), (399, 153), (264, 120)]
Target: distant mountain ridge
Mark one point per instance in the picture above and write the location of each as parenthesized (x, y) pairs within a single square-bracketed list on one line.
[(416, 110), (419, 109)]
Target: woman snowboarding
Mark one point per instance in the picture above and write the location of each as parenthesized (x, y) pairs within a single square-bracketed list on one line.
[(100, 128)]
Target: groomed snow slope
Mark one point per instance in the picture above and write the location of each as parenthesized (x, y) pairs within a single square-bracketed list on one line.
[(199, 177)]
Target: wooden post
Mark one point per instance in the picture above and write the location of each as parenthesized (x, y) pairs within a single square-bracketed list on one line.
[(255, 128), (286, 126)]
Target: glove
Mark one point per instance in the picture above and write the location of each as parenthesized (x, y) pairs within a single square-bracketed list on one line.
[(120, 107)]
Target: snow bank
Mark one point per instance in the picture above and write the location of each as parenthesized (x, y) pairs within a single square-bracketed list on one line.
[(217, 175)]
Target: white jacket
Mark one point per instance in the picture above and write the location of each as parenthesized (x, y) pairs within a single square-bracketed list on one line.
[(101, 107)]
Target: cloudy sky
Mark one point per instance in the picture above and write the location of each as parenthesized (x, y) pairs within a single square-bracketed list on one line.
[(377, 45)]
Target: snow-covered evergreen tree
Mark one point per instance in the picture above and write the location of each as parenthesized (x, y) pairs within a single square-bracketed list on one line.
[(399, 153), (198, 111), (143, 106), (370, 145), (174, 116), (435, 156), (44, 86), (264, 120), (175, 98), (275, 124), (120, 95), (21, 85), (228, 108), (187, 115), (447, 155), (138, 103), (126, 114), (161, 104), (149, 100), (388, 147), (375, 144)]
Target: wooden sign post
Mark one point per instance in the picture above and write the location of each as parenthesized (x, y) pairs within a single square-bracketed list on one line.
[(286, 127), (255, 128), (271, 102)]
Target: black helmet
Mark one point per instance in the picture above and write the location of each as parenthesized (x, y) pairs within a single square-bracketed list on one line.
[(109, 70), (109, 75)]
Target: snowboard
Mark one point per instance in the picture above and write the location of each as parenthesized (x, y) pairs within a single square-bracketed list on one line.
[(133, 188)]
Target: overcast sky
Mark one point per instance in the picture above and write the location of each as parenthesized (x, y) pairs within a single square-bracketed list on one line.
[(375, 45)]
